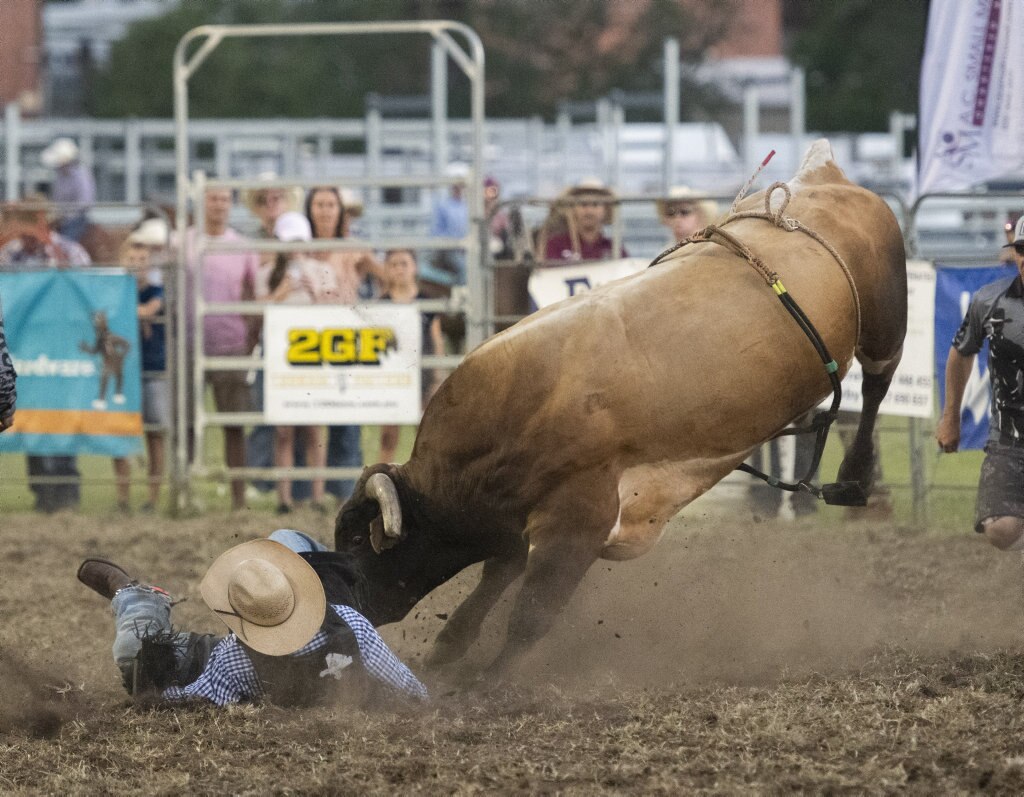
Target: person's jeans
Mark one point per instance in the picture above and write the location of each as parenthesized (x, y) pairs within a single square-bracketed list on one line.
[(259, 450), (344, 450), (297, 541)]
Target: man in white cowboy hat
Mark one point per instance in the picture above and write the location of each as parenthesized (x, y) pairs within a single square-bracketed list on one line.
[(582, 210), (295, 639), (996, 314), (684, 211), (72, 185)]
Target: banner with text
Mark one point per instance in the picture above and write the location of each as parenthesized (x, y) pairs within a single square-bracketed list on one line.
[(550, 285), (341, 365), (74, 339), (953, 291), (971, 126)]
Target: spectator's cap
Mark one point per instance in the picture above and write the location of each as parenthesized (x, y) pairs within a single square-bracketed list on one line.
[(352, 202), (491, 182), (292, 226), (293, 195), (457, 169), (682, 194), (151, 232), (60, 153), (267, 594), (590, 186), (1018, 234)]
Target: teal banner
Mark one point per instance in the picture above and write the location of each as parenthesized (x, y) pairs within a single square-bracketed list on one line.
[(74, 339)]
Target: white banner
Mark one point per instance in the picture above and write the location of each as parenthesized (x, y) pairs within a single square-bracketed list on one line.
[(910, 394), (550, 285), (341, 364), (971, 125)]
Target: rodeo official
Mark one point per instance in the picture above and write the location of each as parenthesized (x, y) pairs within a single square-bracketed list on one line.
[(8, 393), (996, 313), (295, 640)]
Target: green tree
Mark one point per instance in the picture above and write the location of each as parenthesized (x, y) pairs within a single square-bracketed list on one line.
[(862, 58), (538, 53)]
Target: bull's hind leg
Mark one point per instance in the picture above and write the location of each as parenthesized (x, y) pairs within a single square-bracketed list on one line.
[(463, 627), (859, 463)]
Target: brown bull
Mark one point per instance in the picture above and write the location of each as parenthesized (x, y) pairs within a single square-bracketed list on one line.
[(577, 434)]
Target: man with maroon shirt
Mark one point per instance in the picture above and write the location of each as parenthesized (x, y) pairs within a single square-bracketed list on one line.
[(586, 207)]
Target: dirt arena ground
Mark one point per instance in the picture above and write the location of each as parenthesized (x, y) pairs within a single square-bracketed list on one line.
[(739, 657)]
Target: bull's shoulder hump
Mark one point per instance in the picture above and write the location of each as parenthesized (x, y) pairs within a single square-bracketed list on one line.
[(818, 167)]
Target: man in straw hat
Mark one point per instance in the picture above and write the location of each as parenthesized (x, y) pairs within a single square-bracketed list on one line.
[(996, 314), (73, 185), (575, 228), (684, 211), (295, 639)]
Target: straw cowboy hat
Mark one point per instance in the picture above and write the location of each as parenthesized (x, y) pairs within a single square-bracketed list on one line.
[(152, 232), (293, 196), (589, 187), (267, 594), (60, 153), (680, 195)]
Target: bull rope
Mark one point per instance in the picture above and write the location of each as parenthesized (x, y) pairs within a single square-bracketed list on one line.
[(843, 493)]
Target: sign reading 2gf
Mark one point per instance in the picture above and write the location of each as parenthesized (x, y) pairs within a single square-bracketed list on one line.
[(343, 346)]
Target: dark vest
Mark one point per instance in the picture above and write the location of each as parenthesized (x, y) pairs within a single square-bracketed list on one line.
[(295, 680)]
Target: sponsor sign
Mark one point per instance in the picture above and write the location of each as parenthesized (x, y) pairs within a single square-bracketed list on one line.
[(74, 339), (954, 288), (341, 365), (550, 285), (971, 126)]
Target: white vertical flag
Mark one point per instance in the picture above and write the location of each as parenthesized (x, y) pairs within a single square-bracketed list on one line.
[(971, 125)]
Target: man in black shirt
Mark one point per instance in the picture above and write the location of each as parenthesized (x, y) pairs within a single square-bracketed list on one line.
[(996, 313)]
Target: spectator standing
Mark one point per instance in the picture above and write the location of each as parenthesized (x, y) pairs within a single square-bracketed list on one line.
[(226, 277), (31, 244), (684, 213), (499, 226), (135, 256), (996, 313), (73, 184), (267, 204), (328, 218), (450, 219), (574, 230), (297, 278), (8, 379), (402, 288)]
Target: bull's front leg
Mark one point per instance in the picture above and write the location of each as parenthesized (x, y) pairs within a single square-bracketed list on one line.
[(463, 627), (554, 568)]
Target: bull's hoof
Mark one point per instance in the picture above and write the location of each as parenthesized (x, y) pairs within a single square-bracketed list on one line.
[(443, 655)]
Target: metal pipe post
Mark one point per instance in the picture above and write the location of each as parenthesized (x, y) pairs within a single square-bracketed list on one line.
[(12, 149), (797, 112), (439, 106), (671, 112), (751, 126), (132, 162)]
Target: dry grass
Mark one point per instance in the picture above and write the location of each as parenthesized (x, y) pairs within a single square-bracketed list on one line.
[(739, 657)]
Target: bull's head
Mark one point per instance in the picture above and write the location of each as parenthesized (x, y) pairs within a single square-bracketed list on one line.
[(399, 553), (369, 531)]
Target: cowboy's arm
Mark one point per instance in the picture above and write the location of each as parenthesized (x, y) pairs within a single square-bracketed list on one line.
[(958, 372), (378, 660), (228, 677)]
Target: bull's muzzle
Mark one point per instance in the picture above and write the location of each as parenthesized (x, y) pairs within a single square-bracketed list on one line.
[(386, 528)]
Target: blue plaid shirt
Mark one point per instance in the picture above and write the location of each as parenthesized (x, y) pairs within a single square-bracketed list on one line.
[(229, 676)]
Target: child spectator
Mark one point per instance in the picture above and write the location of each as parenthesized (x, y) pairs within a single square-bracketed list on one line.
[(135, 256), (402, 287)]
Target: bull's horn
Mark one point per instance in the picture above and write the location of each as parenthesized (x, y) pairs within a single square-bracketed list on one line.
[(381, 489)]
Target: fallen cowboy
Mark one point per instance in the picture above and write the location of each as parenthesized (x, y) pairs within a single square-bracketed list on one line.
[(295, 638)]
